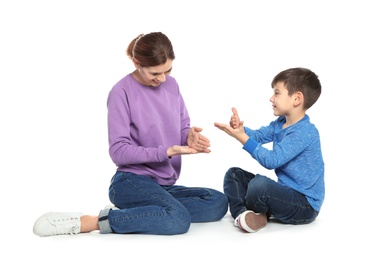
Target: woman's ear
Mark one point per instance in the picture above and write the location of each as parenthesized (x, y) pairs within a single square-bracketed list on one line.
[(136, 63)]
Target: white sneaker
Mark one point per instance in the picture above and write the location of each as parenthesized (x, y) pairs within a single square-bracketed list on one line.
[(111, 207), (57, 223), (250, 221)]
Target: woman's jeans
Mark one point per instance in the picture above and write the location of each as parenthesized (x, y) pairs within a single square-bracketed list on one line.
[(247, 191), (145, 207)]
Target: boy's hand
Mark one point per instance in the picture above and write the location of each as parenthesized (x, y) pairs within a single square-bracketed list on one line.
[(235, 119), (235, 129)]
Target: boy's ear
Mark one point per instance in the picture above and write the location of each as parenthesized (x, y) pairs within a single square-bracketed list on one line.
[(299, 98)]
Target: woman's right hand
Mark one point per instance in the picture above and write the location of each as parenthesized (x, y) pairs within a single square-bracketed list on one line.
[(178, 149)]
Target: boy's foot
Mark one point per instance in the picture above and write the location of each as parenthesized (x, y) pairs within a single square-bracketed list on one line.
[(250, 221), (110, 206), (57, 223)]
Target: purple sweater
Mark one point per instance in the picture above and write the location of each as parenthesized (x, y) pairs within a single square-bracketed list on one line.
[(142, 123)]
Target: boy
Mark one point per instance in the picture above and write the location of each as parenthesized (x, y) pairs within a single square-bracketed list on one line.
[(297, 195)]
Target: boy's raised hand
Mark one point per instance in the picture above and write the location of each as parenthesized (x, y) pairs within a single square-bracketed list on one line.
[(235, 127), (235, 119)]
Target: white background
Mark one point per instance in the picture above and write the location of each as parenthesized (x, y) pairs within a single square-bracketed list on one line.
[(59, 59)]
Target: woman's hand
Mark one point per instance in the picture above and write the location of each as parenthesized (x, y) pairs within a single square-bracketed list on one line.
[(197, 141), (178, 149)]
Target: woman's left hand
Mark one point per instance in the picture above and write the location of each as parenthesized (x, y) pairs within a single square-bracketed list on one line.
[(197, 141)]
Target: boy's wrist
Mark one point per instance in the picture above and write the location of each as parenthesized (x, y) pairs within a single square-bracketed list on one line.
[(242, 138)]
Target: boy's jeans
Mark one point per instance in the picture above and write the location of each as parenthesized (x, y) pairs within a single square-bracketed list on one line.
[(247, 191)]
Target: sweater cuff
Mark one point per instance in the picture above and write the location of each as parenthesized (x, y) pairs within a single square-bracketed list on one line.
[(162, 154), (250, 145)]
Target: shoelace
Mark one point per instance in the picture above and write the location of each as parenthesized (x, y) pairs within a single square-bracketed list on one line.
[(69, 226)]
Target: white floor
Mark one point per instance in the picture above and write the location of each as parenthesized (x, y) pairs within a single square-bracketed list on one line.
[(331, 236)]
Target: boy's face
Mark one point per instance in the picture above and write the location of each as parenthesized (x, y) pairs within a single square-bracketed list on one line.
[(282, 103)]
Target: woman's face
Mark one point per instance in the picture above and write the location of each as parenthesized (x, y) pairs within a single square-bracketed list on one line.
[(153, 76)]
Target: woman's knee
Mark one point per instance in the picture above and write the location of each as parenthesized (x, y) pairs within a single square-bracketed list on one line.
[(180, 222), (221, 202)]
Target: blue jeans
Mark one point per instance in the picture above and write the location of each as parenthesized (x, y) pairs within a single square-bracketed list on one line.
[(145, 207), (247, 191)]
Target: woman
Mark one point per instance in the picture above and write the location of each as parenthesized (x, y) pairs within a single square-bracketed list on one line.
[(149, 129)]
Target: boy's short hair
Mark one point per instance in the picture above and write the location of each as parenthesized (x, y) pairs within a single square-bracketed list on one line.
[(303, 80)]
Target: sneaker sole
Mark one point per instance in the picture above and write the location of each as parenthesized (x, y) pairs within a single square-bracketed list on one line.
[(253, 222)]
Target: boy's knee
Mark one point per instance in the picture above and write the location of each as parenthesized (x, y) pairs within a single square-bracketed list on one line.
[(232, 172)]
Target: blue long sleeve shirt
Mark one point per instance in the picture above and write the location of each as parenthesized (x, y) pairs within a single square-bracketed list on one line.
[(143, 122), (296, 156)]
